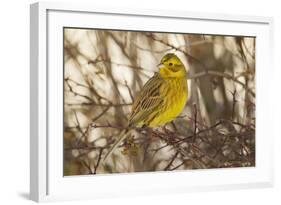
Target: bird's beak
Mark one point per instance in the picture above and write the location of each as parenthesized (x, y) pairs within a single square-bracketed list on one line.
[(160, 65)]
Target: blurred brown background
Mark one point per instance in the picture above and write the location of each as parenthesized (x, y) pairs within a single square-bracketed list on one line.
[(103, 72)]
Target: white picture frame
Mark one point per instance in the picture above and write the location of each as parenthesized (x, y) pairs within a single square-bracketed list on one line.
[(46, 179)]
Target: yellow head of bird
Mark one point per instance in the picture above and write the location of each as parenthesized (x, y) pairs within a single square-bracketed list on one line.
[(171, 67)]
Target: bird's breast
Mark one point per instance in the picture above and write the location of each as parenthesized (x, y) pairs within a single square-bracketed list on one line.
[(176, 92)]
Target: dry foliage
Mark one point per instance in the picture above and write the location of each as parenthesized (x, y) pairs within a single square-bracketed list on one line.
[(103, 72)]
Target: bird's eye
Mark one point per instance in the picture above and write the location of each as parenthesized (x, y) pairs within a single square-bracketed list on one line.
[(170, 64)]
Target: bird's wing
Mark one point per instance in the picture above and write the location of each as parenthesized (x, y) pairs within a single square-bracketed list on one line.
[(148, 99)]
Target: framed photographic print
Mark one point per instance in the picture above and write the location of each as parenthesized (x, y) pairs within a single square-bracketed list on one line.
[(127, 102)]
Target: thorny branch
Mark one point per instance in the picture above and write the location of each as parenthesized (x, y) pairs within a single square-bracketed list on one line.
[(191, 141)]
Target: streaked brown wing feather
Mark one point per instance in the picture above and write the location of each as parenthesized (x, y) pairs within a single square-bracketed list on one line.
[(148, 99)]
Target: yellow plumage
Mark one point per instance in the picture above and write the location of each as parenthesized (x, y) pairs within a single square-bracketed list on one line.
[(161, 99)]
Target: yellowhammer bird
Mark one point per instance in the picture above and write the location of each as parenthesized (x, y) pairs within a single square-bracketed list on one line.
[(161, 99)]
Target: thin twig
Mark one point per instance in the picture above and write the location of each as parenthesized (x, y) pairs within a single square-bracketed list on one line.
[(190, 57), (220, 74), (195, 122), (88, 166), (171, 162), (78, 94), (98, 162), (233, 103), (129, 90), (98, 104)]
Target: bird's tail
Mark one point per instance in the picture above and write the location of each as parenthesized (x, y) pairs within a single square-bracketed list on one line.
[(120, 138)]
